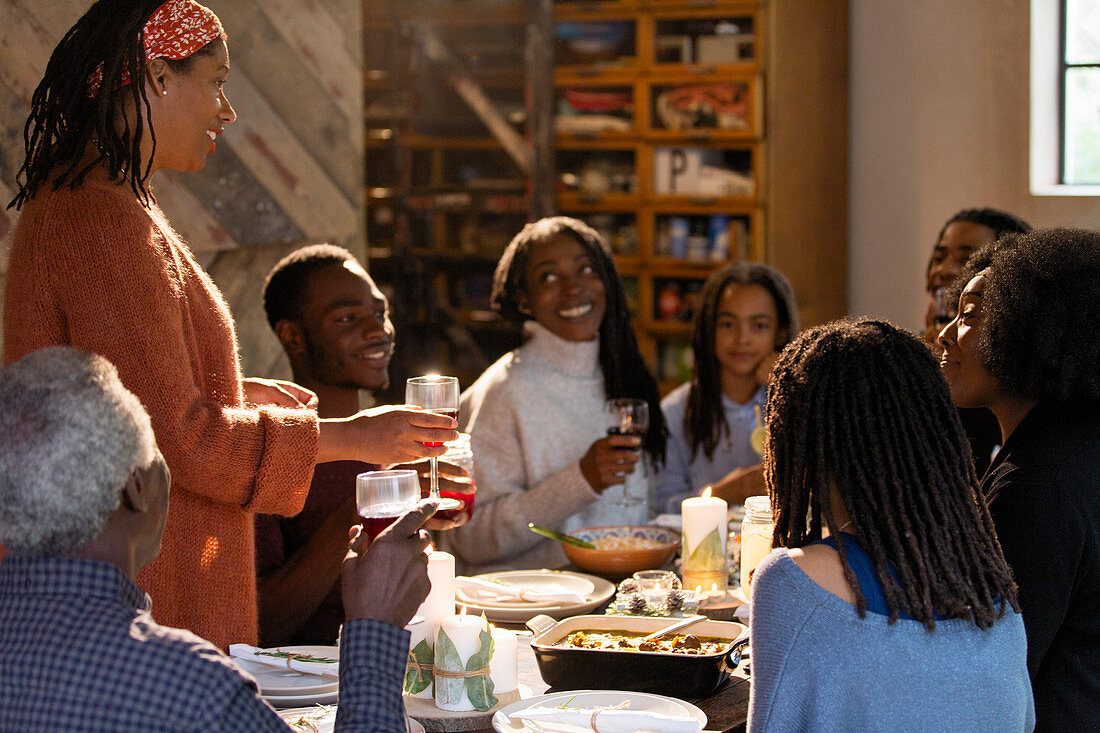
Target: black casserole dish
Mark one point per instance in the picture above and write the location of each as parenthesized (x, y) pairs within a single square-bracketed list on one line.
[(662, 673)]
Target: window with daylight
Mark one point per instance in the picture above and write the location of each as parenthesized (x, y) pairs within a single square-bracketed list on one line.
[(1065, 98), (1080, 92)]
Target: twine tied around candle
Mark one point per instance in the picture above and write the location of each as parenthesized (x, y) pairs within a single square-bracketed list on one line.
[(448, 674), (420, 666), (597, 711)]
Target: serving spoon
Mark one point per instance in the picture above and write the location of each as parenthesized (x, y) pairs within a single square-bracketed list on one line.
[(681, 624), (556, 535)]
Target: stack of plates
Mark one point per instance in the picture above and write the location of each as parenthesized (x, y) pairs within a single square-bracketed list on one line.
[(594, 590), (286, 688)]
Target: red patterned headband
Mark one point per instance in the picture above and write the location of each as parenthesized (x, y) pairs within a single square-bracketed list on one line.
[(175, 30)]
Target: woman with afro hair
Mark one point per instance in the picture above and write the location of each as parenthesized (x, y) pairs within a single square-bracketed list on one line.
[(1025, 344)]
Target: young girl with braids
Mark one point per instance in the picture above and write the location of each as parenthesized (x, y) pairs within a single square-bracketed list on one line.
[(888, 604), (134, 87), (536, 416), (748, 314)]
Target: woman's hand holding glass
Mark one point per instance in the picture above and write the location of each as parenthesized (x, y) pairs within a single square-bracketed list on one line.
[(608, 461), (385, 435)]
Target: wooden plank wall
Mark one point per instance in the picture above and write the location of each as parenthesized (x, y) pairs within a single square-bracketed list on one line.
[(288, 172)]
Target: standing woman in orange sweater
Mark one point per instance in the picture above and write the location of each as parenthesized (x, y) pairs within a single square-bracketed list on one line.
[(132, 88)]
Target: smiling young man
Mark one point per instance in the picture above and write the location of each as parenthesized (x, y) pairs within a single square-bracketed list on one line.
[(334, 325)]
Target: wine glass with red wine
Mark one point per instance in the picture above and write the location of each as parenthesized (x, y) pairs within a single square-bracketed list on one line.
[(627, 416), (383, 496), (435, 394)]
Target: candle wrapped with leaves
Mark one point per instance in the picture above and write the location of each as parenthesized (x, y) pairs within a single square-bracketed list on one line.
[(704, 541), (463, 648)]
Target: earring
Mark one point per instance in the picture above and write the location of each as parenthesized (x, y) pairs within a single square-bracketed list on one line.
[(164, 92)]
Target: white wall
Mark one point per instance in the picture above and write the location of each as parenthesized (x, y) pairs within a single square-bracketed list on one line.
[(939, 122)]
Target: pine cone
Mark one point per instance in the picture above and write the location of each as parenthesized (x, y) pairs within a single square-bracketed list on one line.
[(636, 604), (674, 601), (630, 585)]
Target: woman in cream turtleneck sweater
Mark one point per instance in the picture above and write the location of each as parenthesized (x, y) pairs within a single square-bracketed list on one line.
[(536, 416)]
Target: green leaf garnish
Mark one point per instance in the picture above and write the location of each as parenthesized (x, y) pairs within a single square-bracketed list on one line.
[(297, 657)]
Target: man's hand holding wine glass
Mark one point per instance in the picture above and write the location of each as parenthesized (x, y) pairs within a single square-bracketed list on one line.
[(387, 579)]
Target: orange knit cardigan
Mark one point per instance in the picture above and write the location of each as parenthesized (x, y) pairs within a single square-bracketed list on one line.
[(95, 269)]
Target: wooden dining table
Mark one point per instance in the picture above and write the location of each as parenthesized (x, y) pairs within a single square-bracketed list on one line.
[(727, 708)]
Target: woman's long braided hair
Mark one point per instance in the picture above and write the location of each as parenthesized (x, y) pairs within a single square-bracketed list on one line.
[(704, 417), (624, 370), (863, 406), (65, 118)]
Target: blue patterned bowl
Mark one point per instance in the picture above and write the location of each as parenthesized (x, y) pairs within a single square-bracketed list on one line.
[(622, 551)]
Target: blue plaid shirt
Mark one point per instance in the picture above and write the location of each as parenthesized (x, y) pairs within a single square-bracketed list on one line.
[(80, 652)]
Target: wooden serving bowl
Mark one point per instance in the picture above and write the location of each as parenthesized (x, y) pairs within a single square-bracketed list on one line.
[(619, 563)]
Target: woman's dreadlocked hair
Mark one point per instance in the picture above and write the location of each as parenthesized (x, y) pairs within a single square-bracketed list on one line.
[(65, 117), (624, 370), (704, 418), (862, 406)]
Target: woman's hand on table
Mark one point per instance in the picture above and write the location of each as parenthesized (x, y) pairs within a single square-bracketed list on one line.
[(387, 579), (608, 461), (385, 435), (452, 480), (279, 392)]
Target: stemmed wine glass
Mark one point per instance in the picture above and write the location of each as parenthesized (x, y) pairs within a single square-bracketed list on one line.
[(435, 394), (627, 416)]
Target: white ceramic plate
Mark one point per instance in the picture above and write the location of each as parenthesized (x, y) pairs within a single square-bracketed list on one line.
[(325, 719), (536, 580), (595, 591), (596, 698), (297, 701), (288, 683)]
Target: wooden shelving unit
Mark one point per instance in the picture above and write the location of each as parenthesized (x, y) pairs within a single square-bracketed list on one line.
[(689, 132), (665, 128)]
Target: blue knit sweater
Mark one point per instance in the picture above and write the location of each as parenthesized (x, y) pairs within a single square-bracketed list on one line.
[(816, 665)]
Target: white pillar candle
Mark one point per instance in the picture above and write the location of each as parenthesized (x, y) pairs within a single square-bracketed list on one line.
[(504, 666), (465, 633), (704, 519), (439, 604)]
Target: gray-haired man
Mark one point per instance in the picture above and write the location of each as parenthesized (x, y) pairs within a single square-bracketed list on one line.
[(84, 492)]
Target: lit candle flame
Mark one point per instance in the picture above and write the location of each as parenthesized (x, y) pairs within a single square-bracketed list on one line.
[(462, 612), (706, 492)]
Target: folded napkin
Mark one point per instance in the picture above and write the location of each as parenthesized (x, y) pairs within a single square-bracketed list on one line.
[(287, 660), (606, 720), (478, 590)]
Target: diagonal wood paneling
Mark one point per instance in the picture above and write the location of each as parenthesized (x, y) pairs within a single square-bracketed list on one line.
[(289, 171)]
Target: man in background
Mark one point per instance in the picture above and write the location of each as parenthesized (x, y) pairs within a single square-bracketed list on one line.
[(85, 496), (334, 324), (964, 234)]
